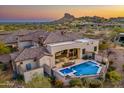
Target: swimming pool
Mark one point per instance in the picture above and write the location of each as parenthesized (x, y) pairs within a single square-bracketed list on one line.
[(85, 68)]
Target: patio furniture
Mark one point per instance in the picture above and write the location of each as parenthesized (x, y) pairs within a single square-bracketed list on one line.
[(68, 64)]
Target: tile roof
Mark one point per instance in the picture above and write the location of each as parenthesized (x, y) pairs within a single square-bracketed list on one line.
[(14, 55), (31, 53), (59, 36), (12, 36), (5, 32), (48, 37), (5, 58), (34, 36)]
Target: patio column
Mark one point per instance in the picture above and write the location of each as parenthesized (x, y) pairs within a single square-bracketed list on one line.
[(78, 53), (67, 53)]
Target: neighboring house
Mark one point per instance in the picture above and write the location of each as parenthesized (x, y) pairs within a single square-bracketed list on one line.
[(5, 59), (11, 38), (41, 52), (119, 39)]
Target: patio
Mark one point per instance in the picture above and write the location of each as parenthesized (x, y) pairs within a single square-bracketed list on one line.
[(60, 65), (67, 56)]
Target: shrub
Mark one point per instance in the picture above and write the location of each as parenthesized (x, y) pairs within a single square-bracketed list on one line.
[(111, 62), (104, 46), (111, 68), (85, 81), (114, 77), (75, 82), (4, 49), (123, 67), (39, 82), (58, 84), (95, 83), (91, 83), (101, 77), (20, 77), (1, 66)]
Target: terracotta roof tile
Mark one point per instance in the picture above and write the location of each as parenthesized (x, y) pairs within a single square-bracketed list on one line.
[(31, 53), (5, 58)]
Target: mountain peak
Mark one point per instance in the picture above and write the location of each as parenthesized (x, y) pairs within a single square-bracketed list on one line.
[(68, 16)]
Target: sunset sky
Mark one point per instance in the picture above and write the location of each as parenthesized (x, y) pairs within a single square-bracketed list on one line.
[(48, 13)]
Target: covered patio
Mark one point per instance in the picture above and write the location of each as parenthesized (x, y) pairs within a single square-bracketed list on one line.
[(67, 56)]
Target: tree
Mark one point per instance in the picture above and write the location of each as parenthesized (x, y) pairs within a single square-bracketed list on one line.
[(104, 45), (123, 67), (118, 29), (114, 77), (75, 82), (4, 49), (39, 82), (58, 84)]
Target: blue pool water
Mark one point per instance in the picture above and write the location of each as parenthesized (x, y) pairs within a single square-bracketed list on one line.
[(66, 71), (87, 68)]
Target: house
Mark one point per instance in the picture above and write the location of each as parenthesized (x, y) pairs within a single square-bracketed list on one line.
[(119, 39), (42, 52)]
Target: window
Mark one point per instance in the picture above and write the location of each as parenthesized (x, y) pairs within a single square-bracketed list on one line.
[(95, 48), (71, 52), (64, 52), (83, 51), (28, 66), (21, 62), (75, 52), (35, 59), (121, 39)]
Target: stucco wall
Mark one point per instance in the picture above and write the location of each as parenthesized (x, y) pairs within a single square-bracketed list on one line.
[(30, 74), (89, 46), (21, 45), (48, 60), (23, 66), (61, 78)]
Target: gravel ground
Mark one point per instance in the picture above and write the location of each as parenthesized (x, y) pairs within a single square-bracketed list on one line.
[(117, 57)]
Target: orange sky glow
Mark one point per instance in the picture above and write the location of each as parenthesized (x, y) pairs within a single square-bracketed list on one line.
[(55, 12)]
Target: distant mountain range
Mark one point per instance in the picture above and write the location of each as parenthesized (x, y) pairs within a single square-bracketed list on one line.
[(68, 18), (21, 21), (96, 19)]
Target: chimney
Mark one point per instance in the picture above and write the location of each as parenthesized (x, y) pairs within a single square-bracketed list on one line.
[(62, 32)]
